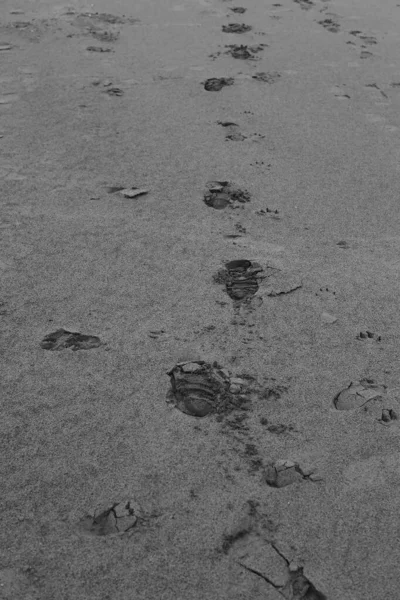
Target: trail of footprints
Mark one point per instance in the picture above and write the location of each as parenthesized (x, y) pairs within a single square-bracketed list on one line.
[(200, 389)]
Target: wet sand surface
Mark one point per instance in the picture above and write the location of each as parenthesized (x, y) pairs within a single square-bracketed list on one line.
[(215, 184)]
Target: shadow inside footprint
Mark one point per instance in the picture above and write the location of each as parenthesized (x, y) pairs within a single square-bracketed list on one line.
[(61, 339)]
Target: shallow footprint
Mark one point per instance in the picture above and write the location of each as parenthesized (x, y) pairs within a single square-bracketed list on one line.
[(369, 335), (262, 557), (61, 339), (220, 194), (358, 393), (236, 28), (244, 52), (305, 4), (118, 519), (281, 473), (239, 10), (270, 77), (330, 25)]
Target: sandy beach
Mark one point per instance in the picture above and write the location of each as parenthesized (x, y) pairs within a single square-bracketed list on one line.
[(199, 262)]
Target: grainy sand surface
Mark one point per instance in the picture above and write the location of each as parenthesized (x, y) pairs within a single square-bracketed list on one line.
[(315, 138)]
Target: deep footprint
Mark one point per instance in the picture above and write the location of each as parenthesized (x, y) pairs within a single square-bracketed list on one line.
[(220, 194), (61, 339), (216, 84), (358, 393), (118, 519), (199, 389), (241, 278)]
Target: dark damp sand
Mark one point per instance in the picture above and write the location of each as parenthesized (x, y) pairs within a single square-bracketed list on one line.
[(81, 430)]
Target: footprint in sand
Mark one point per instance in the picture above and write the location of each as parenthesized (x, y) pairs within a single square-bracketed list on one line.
[(61, 339), (369, 336), (120, 518), (238, 9), (379, 92), (304, 4), (388, 416), (236, 28), (365, 54), (339, 92), (105, 36), (98, 49), (241, 279), (27, 30), (270, 77), (233, 134), (282, 473), (109, 18), (220, 194), (359, 394), (251, 544), (270, 213), (93, 24), (365, 39), (330, 25), (200, 388), (114, 91), (276, 428), (244, 52), (215, 84)]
